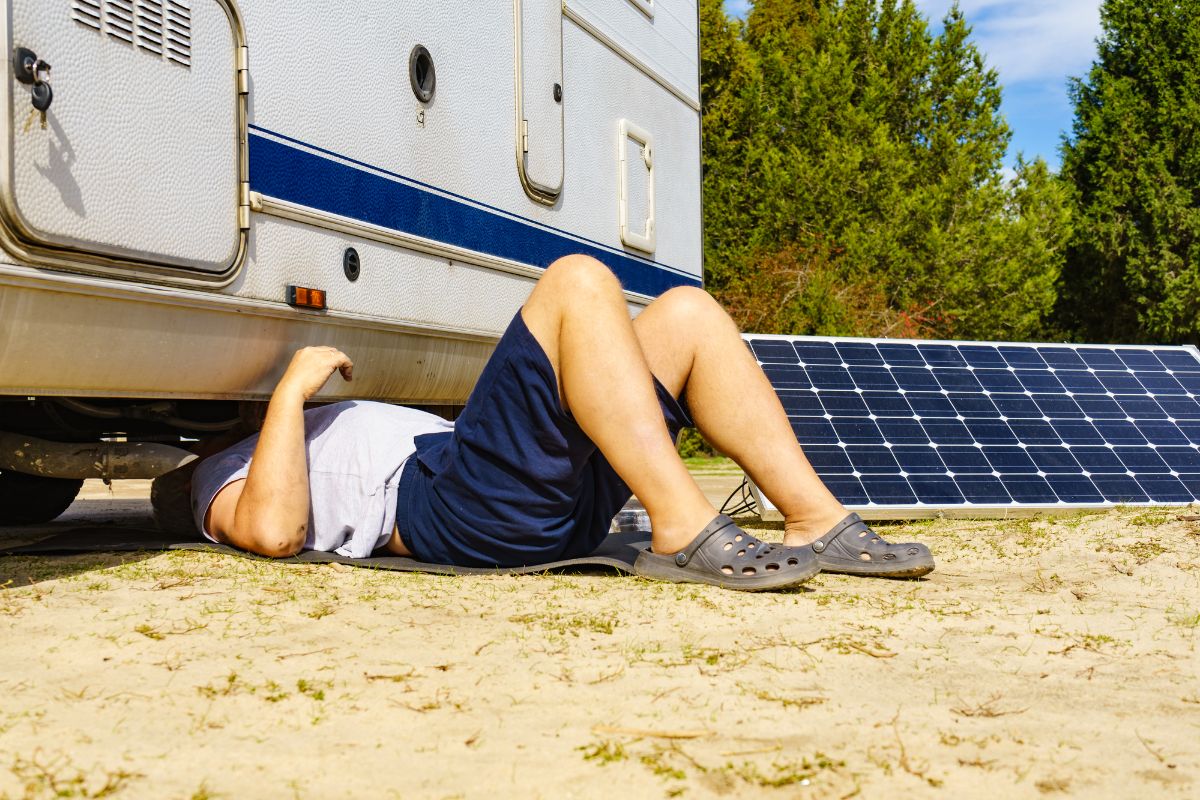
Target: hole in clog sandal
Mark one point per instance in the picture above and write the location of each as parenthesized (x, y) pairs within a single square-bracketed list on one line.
[(749, 570), (864, 556)]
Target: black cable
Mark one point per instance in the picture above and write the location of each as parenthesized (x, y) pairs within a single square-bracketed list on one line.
[(745, 504), (738, 488)]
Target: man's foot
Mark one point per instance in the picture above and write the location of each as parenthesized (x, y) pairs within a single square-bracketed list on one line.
[(724, 555), (799, 531), (852, 548)]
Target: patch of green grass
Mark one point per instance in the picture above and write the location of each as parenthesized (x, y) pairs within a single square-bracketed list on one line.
[(273, 692), (604, 752), (1188, 619), (43, 776), (710, 464), (1045, 583), (655, 762), (572, 624), (1098, 641), (232, 685), (798, 702), (839, 598), (149, 631), (313, 689), (1033, 534), (1144, 551), (1150, 519), (320, 610), (782, 773)]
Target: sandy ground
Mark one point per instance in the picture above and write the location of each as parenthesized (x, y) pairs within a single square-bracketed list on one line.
[(1045, 657)]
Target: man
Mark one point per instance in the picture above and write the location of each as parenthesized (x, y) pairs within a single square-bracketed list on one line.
[(577, 407)]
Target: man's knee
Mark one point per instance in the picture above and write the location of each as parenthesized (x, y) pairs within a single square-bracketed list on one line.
[(578, 275), (690, 304)]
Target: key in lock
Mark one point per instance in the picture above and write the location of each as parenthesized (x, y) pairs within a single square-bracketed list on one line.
[(30, 69)]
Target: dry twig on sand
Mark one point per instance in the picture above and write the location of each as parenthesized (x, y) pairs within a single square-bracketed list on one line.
[(615, 730)]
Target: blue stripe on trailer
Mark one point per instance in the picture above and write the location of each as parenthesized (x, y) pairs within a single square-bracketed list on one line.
[(295, 175)]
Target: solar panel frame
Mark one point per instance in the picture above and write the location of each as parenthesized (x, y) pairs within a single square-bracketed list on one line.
[(1054, 426)]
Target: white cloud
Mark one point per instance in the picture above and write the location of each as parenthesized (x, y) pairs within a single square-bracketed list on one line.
[(1029, 40)]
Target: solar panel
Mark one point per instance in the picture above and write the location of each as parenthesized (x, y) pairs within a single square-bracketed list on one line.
[(912, 428)]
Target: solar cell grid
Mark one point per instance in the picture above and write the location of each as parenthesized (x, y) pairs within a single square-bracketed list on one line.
[(911, 425)]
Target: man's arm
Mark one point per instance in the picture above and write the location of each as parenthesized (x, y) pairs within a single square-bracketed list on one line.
[(267, 513)]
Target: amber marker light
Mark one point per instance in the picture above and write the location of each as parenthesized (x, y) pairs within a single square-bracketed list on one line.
[(303, 297)]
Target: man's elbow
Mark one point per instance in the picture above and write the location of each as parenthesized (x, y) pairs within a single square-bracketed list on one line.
[(273, 543), (281, 549)]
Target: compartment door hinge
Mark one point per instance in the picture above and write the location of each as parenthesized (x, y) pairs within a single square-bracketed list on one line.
[(243, 70), (244, 205)]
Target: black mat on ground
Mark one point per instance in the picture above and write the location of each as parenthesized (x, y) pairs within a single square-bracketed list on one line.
[(618, 552)]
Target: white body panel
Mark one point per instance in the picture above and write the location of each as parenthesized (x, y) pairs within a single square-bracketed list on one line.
[(666, 42), (139, 156), (341, 154)]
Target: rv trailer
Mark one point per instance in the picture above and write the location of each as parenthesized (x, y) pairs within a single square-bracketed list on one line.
[(192, 189)]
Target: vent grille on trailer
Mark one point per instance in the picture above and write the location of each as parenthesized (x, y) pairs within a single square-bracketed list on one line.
[(118, 19), (86, 12), (150, 26), (162, 28), (179, 33)]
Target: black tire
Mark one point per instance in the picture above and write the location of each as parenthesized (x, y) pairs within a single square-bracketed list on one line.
[(30, 499)]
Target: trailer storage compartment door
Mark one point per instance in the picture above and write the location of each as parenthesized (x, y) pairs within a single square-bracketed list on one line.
[(138, 163), (540, 97)]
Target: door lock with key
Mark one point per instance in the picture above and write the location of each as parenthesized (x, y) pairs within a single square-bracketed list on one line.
[(34, 72)]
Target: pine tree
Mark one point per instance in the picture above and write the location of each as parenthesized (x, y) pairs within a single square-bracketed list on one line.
[(853, 177), (1133, 157)]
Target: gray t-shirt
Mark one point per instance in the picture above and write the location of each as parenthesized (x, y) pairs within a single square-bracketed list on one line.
[(355, 453)]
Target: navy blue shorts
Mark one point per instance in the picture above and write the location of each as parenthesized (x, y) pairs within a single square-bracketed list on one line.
[(517, 482)]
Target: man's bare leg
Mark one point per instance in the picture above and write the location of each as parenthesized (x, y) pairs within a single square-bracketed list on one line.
[(691, 344), (578, 315)]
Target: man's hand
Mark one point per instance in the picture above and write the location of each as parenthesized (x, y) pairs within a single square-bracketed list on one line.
[(311, 368)]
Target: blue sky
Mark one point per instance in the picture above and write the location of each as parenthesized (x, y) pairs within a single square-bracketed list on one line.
[(1034, 45)]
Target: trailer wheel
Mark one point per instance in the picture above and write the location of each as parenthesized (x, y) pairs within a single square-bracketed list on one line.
[(30, 499)]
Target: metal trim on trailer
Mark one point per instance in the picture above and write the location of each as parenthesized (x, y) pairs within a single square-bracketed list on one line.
[(25, 245)]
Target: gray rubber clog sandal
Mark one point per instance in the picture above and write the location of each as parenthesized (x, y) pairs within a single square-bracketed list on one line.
[(724, 555), (852, 548)]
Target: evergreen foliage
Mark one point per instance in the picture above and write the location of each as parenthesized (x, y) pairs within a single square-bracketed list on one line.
[(1133, 264), (853, 177)]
